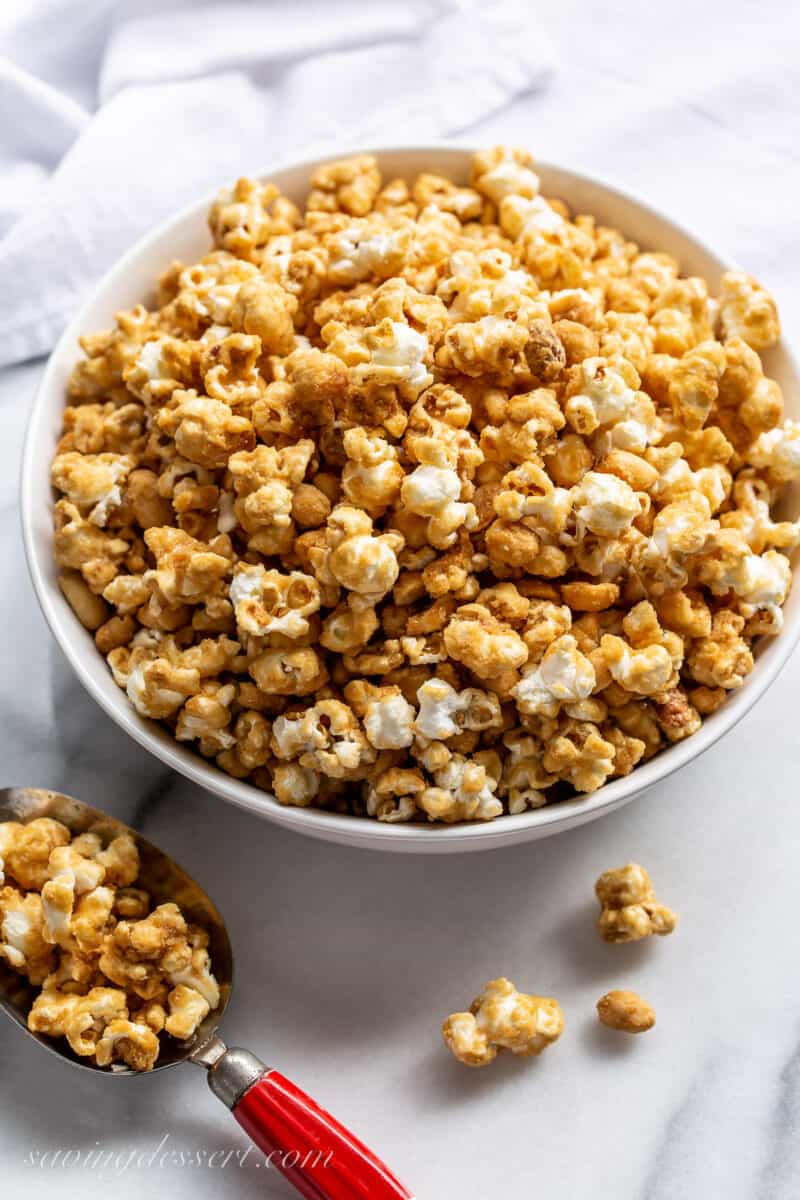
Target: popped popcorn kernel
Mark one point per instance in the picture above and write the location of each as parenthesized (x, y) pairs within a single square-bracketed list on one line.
[(604, 504), (126, 1041), (629, 909), (602, 397), (432, 490), (25, 851), (264, 309), (24, 943), (372, 477), (562, 676), (748, 311), (580, 754), (464, 791), (723, 658), (486, 646), (187, 1008), (354, 557), (391, 797), (266, 603), (502, 1018), (327, 738), (350, 185), (205, 430), (778, 452), (504, 171), (389, 720), (93, 482), (445, 712)]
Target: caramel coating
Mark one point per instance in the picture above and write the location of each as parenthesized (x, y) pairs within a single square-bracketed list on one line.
[(629, 909), (427, 431), (502, 1018), (107, 965)]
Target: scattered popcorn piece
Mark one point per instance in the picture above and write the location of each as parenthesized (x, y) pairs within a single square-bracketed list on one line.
[(629, 909), (502, 1018), (625, 1011)]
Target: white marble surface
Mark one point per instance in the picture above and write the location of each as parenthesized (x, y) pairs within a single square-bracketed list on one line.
[(348, 960)]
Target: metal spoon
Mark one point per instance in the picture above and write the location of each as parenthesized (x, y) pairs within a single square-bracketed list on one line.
[(305, 1143)]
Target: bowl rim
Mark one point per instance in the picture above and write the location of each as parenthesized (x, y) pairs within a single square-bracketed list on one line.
[(367, 832)]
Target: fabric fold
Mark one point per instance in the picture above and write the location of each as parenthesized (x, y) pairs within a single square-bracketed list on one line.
[(157, 103)]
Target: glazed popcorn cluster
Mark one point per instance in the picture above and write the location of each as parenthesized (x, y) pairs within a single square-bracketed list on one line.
[(113, 972), (502, 1018), (629, 909), (431, 502)]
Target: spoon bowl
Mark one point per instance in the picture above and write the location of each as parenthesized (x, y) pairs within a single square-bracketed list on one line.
[(322, 1159), (159, 876)]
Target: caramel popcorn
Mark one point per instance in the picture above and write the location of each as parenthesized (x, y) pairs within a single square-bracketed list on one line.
[(563, 675), (748, 311), (464, 790), (625, 1011), (502, 1018), (433, 501), (629, 909), (107, 965)]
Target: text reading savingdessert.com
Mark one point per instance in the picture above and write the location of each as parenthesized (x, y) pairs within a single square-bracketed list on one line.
[(168, 1154)]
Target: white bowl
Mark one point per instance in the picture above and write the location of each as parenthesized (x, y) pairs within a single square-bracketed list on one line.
[(186, 237)]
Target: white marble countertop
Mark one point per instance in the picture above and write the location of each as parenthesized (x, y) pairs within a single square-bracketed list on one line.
[(348, 960)]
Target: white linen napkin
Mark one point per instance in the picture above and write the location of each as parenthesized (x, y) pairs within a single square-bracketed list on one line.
[(117, 112)]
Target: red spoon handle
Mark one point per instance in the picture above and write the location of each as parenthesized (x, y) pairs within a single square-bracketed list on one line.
[(309, 1146)]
